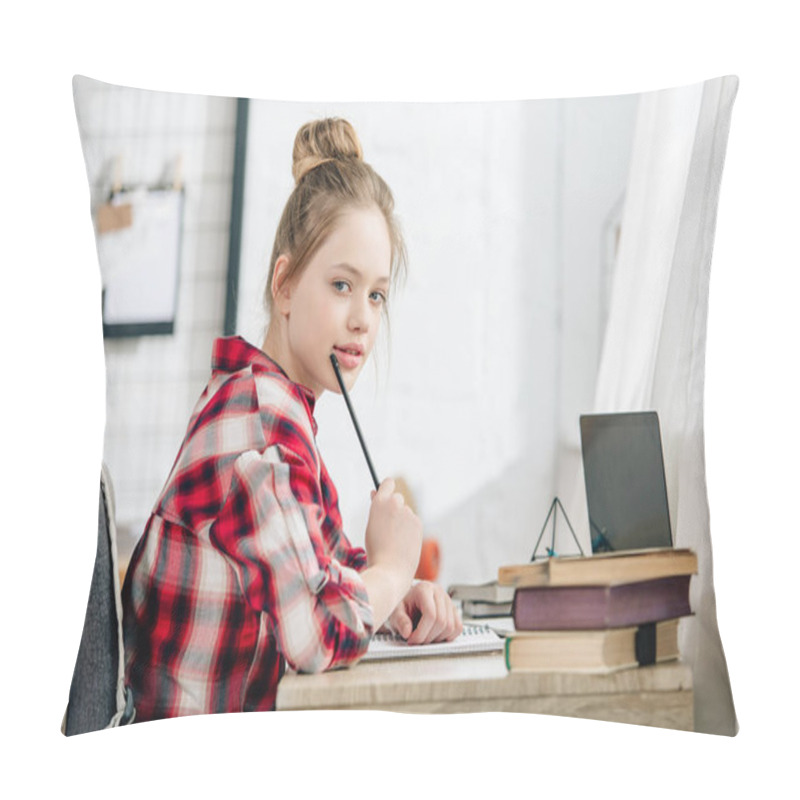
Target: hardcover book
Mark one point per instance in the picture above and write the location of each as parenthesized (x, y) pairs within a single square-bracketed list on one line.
[(593, 607), (480, 609), (592, 651), (491, 592), (601, 569)]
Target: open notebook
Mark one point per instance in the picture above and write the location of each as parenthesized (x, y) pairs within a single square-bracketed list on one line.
[(473, 639)]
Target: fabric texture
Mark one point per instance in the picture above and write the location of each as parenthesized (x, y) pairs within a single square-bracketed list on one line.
[(243, 566), (655, 340)]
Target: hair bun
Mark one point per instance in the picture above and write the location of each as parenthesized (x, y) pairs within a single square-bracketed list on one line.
[(323, 140)]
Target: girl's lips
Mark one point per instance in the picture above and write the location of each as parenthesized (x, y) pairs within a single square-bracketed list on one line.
[(347, 359)]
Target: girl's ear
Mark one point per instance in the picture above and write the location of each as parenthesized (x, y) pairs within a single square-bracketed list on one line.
[(281, 291)]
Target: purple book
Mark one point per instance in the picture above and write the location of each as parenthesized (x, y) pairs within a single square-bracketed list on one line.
[(549, 608)]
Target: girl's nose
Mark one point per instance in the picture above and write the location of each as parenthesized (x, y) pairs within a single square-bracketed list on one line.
[(360, 315)]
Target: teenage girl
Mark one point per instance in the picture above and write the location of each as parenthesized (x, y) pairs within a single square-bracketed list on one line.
[(243, 566)]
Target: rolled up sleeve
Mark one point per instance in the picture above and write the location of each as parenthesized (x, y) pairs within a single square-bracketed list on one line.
[(270, 530)]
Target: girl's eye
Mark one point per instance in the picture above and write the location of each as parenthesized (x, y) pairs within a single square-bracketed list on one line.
[(378, 297), (340, 286)]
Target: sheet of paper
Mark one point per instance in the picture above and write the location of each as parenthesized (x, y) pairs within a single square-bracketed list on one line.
[(139, 262)]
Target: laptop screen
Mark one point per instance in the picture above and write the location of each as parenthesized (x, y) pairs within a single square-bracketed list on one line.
[(626, 491)]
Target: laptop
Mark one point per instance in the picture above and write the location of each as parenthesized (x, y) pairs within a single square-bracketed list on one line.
[(626, 490)]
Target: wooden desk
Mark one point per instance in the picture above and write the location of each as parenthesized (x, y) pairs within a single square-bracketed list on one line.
[(660, 695)]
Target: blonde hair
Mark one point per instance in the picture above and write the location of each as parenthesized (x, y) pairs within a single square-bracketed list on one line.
[(331, 177)]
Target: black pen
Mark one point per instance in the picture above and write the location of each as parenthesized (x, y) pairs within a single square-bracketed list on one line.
[(353, 417)]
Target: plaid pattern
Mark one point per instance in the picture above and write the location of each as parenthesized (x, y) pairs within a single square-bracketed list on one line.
[(243, 565)]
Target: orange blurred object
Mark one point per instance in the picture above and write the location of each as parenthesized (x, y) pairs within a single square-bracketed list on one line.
[(428, 569)]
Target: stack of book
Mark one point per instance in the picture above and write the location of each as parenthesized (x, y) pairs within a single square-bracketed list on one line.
[(598, 613), (483, 600)]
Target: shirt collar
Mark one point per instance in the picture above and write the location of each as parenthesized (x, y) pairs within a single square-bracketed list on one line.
[(233, 353)]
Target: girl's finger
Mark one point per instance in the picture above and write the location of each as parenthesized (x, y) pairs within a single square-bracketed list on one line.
[(442, 625), (427, 615), (401, 622), (387, 487)]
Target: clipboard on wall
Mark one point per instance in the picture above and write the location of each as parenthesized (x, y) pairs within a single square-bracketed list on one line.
[(139, 234)]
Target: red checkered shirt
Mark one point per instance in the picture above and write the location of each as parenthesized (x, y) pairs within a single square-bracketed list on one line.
[(243, 566)]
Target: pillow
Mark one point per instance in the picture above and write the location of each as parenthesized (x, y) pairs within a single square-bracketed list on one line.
[(559, 265)]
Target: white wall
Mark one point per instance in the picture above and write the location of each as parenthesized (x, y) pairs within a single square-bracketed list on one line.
[(495, 338), (153, 381), (598, 136)]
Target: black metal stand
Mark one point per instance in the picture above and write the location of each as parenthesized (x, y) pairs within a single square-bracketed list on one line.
[(550, 551)]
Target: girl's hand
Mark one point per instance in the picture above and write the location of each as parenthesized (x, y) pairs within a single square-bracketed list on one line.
[(394, 535), (426, 614)]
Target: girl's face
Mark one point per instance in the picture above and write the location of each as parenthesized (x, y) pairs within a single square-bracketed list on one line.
[(335, 305)]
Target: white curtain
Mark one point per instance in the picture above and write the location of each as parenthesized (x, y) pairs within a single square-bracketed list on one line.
[(653, 354)]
